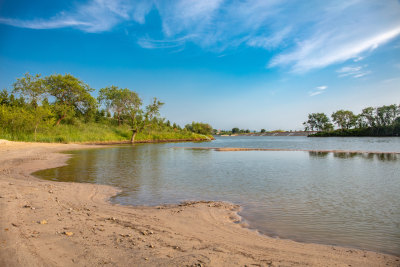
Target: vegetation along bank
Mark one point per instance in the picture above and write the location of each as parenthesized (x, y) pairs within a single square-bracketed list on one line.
[(380, 121), (61, 108)]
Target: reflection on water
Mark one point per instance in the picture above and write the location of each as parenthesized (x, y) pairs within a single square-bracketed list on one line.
[(348, 199), (380, 144), (318, 154), (349, 155)]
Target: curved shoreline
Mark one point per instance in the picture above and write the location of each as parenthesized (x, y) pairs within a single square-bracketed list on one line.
[(184, 234)]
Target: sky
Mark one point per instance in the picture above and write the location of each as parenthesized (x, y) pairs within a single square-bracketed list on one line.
[(249, 64)]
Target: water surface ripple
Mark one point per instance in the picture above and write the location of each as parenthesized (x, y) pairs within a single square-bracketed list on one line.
[(348, 199)]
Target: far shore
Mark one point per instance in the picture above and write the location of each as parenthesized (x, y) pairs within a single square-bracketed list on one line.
[(46, 223), (288, 149)]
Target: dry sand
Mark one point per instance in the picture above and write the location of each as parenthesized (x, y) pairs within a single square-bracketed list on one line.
[(45, 223)]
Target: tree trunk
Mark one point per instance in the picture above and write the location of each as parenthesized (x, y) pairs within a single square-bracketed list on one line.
[(36, 126), (133, 136), (60, 119)]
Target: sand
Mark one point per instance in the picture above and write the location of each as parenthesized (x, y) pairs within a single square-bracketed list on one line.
[(44, 223)]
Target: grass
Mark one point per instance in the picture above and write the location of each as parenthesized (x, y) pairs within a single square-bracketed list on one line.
[(95, 132)]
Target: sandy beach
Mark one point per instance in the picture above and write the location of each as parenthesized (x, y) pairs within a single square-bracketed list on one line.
[(44, 223)]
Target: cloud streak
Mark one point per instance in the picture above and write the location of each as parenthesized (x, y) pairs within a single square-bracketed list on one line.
[(318, 90), (353, 71), (93, 16), (301, 35), (315, 93)]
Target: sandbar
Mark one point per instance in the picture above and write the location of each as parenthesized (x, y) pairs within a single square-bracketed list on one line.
[(46, 223)]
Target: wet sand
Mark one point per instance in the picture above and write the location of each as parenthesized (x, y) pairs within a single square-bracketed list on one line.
[(44, 223)]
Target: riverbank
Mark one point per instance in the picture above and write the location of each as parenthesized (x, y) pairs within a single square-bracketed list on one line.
[(282, 133), (46, 223), (99, 133), (206, 138), (383, 131)]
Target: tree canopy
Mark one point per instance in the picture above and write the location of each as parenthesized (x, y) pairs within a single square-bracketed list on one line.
[(379, 121), (113, 98), (125, 103), (200, 128), (318, 121), (32, 88), (70, 95), (345, 119)]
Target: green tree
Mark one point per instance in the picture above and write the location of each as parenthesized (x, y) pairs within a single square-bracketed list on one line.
[(345, 119), (139, 119), (368, 117), (235, 130), (70, 94), (31, 88), (4, 100), (200, 128), (113, 99), (386, 115), (318, 121), (262, 130), (127, 104)]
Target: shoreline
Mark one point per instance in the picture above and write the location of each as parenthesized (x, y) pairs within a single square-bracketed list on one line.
[(40, 214), (222, 149), (106, 143)]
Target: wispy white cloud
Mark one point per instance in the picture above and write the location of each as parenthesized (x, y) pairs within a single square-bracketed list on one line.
[(93, 16), (323, 50), (183, 16), (358, 59), (318, 90), (353, 71), (157, 44), (314, 93), (302, 35), (269, 42), (349, 70), (391, 80), (45, 24), (218, 24), (343, 32), (362, 74)]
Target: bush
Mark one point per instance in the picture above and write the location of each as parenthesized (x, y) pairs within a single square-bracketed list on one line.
[(391, 130), (200, 128)]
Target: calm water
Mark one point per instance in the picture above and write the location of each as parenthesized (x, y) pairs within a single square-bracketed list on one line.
[(348, 199)]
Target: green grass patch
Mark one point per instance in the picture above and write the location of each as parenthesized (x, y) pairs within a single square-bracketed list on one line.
[(96, 132)]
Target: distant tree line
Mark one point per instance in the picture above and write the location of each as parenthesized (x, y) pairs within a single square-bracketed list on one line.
[(380, 121), (37, 102), (236, 131)]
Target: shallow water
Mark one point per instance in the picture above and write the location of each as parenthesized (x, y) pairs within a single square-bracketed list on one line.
[(348, 199)]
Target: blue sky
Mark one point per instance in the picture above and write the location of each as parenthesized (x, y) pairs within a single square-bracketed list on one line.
[(249, 64)]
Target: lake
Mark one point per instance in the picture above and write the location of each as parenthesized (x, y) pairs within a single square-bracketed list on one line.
[(347, 199)]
